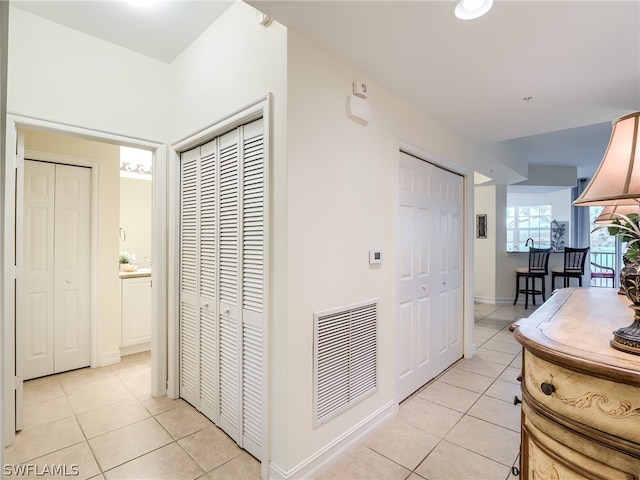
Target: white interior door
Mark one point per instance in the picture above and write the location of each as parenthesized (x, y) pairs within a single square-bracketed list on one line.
[(38, 270), (430, 316), (56, 297), (72, 275)]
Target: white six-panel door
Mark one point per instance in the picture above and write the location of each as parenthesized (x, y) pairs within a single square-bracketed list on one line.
[(430, 317), (56, 298), (222, 282)]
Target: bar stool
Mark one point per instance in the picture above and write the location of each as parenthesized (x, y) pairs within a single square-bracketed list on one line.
[(574, 260), (538, 268)]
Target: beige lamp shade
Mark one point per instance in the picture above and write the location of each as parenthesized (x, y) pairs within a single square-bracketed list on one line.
[(610, 212), (617, 180)]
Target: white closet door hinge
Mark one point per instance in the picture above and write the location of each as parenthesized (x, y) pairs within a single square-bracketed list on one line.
[(17, 272), (19, 161), (18, 382)]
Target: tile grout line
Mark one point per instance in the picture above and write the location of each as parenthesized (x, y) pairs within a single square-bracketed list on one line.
[(482, 394)]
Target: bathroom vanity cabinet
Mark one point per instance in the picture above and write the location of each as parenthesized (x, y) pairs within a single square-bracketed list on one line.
[(136, 312)]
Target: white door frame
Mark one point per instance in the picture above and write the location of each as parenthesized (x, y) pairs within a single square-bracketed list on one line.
[(260, 108), (468, 230), (15, 124)]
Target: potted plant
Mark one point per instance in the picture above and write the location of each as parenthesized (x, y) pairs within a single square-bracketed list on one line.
[(626, 228), (126, 261)]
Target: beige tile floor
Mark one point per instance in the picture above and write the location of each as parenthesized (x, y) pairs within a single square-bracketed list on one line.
[(104, 421), (462, 425)]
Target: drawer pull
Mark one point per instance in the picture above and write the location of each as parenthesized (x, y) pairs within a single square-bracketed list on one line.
[(516, 400), (547, 388)]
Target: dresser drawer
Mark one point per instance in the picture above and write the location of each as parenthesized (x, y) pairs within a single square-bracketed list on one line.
[(604, 405), (552, 452)]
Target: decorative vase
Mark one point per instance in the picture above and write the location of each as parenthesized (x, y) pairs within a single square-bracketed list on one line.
[(627, 339), (625, 261)]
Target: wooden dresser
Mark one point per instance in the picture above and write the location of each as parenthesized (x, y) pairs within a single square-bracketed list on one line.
[(580, 397)]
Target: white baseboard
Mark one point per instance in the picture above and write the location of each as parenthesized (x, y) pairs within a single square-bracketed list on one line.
[(323, 458), (485, 300), (109, 359), (131, 349), (496, 301)]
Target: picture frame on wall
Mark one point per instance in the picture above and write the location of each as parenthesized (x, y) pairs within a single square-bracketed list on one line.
[(481, 225)]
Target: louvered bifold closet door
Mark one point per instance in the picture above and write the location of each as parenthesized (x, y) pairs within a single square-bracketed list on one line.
[(230, 313), (253, 242), (209, 351), (223, 282), (189, 274)]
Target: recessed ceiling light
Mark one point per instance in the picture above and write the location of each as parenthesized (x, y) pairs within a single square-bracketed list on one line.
[(142, 3), (470, 9)]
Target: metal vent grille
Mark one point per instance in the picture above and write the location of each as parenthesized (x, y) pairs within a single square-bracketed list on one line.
[(345, 358)]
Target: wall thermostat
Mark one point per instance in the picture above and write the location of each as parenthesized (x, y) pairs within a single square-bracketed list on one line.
[(375, 256)]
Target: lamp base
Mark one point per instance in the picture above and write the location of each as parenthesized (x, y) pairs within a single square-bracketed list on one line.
[(627, 339)]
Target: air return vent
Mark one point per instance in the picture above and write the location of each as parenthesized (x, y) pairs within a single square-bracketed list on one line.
[(345, 358)]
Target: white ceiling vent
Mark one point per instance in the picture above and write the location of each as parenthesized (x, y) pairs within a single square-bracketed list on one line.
[(345, 358)]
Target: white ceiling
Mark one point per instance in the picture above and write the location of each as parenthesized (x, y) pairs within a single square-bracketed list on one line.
[(162, 31), (578, 60)]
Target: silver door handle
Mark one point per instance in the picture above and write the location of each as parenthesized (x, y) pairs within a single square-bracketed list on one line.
[(424, 287), (444, 282), (227, 310), (206, 304)]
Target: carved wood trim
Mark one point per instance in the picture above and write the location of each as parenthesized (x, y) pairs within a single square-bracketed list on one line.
[(586, 400), (581, 365), (547, 349), (550, 472), (594, 435)]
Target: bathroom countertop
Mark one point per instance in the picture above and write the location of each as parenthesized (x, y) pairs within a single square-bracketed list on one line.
[(141, 272)]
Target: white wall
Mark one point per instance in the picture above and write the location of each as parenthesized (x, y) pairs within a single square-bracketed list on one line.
[(547, 175), (62, 75), (135, 217), (343, 199), (230, 65), (486, 249)]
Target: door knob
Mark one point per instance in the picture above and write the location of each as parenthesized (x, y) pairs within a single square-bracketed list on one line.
[(227, 310), (206, 304), (424, 287), (444, 282), (68, 280)]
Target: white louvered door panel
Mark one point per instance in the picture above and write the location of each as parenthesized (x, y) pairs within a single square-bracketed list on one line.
[(209, 352), (222, 277), (189, 272), (230, 313), (253, 241)]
